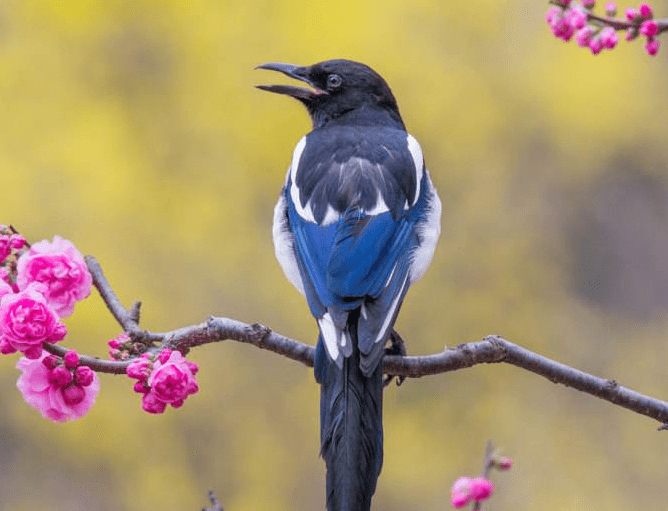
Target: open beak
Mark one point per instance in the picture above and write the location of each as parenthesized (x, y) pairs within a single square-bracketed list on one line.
[(298, 73)]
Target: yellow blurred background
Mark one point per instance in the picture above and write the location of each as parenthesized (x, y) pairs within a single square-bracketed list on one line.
[(133, 129)]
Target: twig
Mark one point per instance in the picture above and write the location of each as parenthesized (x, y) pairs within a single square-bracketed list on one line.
[(491, 350)]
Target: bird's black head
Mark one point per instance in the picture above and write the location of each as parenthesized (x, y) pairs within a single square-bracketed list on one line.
[(344, 93)]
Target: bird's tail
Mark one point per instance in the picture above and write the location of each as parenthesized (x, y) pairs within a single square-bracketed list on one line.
[(351, 427)]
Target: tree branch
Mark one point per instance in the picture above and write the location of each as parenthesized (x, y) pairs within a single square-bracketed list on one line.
[(491, 350)]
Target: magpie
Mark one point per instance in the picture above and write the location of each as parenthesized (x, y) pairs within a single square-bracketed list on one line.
[(355, 225)]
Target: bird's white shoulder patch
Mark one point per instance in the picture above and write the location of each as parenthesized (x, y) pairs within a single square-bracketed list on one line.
[(305, 212), (284, 244), (428, 231), (418, 162)]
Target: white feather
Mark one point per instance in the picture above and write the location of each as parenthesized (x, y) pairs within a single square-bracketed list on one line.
[(284, 245), (428, 232), (331, 336), (418, 162)]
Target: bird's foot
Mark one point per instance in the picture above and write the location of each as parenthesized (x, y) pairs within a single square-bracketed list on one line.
[(397, 347)]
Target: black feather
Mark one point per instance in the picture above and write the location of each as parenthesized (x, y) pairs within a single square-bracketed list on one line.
[(351, 429)]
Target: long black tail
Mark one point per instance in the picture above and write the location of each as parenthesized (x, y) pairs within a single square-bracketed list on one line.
[(351, 428)]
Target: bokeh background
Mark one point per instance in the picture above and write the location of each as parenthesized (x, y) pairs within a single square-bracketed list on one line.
[(133, 129)]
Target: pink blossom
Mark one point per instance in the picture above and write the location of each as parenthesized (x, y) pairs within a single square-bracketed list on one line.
[(460, 493), (577, 18), (172, 380), (595, 45), (60, 266), (609, 37), (505, 463), (118, 341), (481, 488), (16, 241), (652, 46), (139, 369), (71, 359), (562, 29), (631, 13), (646, 11), (649, 28), (584, 36), (26, 321), (84, 376), (54, 401), (611, 9), (151, 404), (552, 14)]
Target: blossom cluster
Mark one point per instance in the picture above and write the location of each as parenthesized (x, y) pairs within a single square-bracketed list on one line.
[(60, 389), (567, 18), (39, 285), (165, 379)]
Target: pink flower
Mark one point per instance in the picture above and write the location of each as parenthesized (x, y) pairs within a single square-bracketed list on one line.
[(584, 36), (552, 14), (609, 37), (167, 379), (139, 369), (54, 401), (71, 359), (611, 9), (172, 381), (60, 266), (646, 11), (481, 488), (460, 493), (577, 19), (26, 321), (595, 45), (562, 29), (649, 28), (631, 14), (652, 46)]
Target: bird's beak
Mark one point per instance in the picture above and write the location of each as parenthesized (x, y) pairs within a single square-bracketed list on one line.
[(299, 73)]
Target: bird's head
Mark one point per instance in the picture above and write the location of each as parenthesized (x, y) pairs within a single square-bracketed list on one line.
[(342, 92)]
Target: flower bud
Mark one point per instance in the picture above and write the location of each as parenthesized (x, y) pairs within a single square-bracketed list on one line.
[(631, 14), (71, 359), (73, 395), (652, 46), (649, 28), (59, 376), (505, 463), (50, 361), (611, 9), (646, 11), (481, 488), (84, 376)]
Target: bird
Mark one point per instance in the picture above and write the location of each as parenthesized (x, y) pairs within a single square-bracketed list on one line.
[(356, 224)]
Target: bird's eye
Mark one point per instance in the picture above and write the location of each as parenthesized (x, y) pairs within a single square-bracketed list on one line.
[(334, 81)]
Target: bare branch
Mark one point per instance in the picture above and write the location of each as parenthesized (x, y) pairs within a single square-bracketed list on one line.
[(491, 350)]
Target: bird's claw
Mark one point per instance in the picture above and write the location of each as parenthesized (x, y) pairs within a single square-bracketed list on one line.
[(397, 347)]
